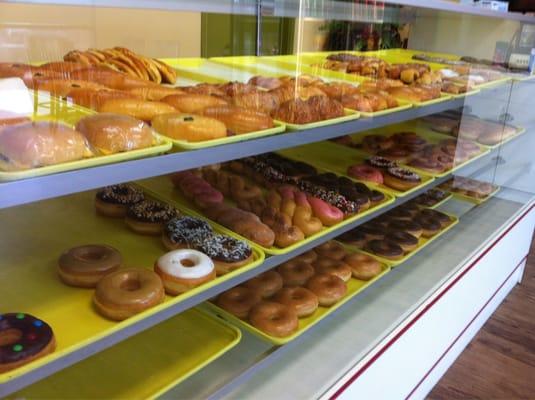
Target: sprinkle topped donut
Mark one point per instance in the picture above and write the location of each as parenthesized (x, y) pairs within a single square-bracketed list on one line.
[(23, 338), (224, 248), (121, 194), (152, 211), (381, 162), (187, 230)]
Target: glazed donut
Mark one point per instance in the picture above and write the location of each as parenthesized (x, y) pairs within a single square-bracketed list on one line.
[(430, 225), (365, 173), (287, 235), (295, 272), (308, 257), (385, 249), (182, 270), (354, 237), (444, 219), (363, 267), (405, 240), (84, 266), (227, 253), (23, 339), (333, 267), (238, 301), (275, 319), (401, 178), (328, 214), (381, 162), (265, 284), (113, 201), (301, 299), (185, 232), (331, 249), (127, 292), (148, 217), (410, 227), (329, 288)]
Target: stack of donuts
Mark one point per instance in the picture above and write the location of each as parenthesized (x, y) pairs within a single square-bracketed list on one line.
[(274, 301), (469, 187), (397, 233)]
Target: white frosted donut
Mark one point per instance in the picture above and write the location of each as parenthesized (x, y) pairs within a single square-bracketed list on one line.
[(186, 264)]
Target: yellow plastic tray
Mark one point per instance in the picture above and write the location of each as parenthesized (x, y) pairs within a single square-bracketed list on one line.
[(466, 94), (337, 158), (519, 131), (425, 133), (354, 287), (350, 115), (470, 199), (51, 109), (403, 105), (144, 366), (422, 242), (163, 187), (48, 228)]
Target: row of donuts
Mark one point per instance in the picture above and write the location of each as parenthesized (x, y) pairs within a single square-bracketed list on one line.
[(274, 301)]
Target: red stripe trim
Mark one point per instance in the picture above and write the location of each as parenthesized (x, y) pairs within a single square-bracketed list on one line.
[(425, 309), (466, 327)]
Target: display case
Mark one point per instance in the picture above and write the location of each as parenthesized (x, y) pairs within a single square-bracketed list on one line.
[(257, 199)]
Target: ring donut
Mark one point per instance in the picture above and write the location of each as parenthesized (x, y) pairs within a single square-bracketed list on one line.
[(238, 301), (275, 319), (301, 299)]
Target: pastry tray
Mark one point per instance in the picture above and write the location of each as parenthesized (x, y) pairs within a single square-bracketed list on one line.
[(425, 133), (164, 188), (144, 366), (337, 158), (422, 242), (354, 287), (47, 228), (471, 199), (48, 108)]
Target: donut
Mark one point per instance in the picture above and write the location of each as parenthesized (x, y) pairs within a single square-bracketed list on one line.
[(333, 267), (127, 292), (401, 178), (301, 299), (266, 284), (427, 164), (397, 154), (242, 190), (329, 288), (308, 257), (430, 225), (363, 267), (354, 237), (295, 272), (328, 214), (331, 249), (400, 213), (381, 162), (372, 231), (405, 240), (365, 173), (227, 253), (182, 270), (410, 227), (185, 232), (305, 221), (385, 249), (411, 208), (23, 339), (444, 219), (113, 201), (275, 319), (148, 217), (238, 301), (84, 266)]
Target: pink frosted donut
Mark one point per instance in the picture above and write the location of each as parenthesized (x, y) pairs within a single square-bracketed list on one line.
[(365, 173), (328, 215)]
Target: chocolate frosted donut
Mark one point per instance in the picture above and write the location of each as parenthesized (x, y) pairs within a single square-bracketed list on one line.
[(381, 162), (399, 213), (223, 248), (431, 197), (441, 217), (353, 237), (151, 211), (407, 241), (385, 249), (121, 194), (430, 225), (403, 174), (406, 226), (187, 231)]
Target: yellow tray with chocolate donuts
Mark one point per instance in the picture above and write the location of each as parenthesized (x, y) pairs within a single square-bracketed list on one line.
[(163, 188), (424, 133), (337, 158), (464, 195), (169, 353), (47, 108), (32, 270), (354, 287)]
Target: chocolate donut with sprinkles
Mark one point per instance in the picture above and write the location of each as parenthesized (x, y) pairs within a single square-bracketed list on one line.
[(226, 252), (23, 338), (148, 217), (185, 232), (113, 201)]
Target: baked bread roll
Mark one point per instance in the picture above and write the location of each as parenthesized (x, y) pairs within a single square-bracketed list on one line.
[(62, 87), (259, 101), (193, 128), (240, 120), (108, 77), (94, 99), (37, 144), (140, 109), (113, 133), (193, 103), (154, 92)]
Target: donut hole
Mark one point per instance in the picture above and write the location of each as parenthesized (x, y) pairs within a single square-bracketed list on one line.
[(9, 337), (186, 262), (131, 285)]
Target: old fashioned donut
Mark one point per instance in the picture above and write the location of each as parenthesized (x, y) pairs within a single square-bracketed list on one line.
[(331, 249), (113, 201), (295, 272), (405, 240), (338, 268), (266, 284), (84, 266), (238, 301), (301, 299), (227, 253), (275, 319), (365, 173), (363, 266), (184, 269), (127, 292), (23, 338), (329, 288), (385, 249), (148, 217)]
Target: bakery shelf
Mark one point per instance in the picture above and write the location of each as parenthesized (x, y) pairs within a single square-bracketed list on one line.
[(383, 307), (45, 187)]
